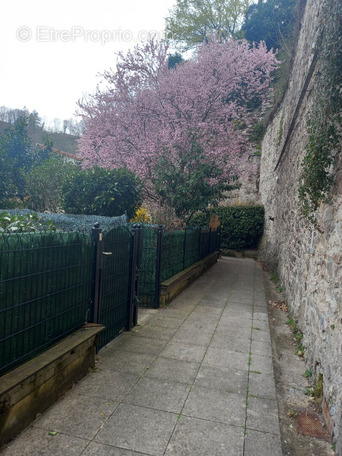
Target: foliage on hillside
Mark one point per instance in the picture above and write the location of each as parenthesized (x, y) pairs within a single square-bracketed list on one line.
[(64, 135)]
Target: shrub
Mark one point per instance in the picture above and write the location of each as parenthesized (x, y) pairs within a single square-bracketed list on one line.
[(45, 182), (242, 226), (13, 223), (101, 191)]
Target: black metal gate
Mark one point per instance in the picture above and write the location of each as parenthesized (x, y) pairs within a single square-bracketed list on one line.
[(116, 280)]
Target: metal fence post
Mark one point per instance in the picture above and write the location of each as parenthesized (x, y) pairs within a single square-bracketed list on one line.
[(97, 237), (158, 266), (133, 272), (184, 249), (137, 273), (209, 242), (219, 239), (200, 245)]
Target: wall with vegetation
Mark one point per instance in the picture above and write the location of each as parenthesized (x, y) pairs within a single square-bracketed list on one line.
[(301, 189), (248, 193)]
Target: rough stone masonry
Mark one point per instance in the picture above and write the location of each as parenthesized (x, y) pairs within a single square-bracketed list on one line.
[(308, 263)]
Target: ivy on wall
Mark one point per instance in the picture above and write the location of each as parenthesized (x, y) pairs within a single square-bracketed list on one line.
[(324, 125)]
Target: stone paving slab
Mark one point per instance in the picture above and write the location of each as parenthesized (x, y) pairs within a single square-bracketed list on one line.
[(193, 379), (259, 334), (159, 394), (261, 385), (108, 385), (235, 329), (223, 357), (138, 429), (262, 415), (222, 378), (172, 369), (100, 449), (262, 364), (194, 437), (262, 444), (216, 405), (156, 332), (77, 415), (38, 442), (231, 342), (144, 345), (184, 352), (261, 347), (193, 336), (129, 362)]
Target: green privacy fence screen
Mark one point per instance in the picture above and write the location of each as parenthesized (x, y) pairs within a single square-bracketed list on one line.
[(51, 283), (115, 293), (45, 287), (166, 253)]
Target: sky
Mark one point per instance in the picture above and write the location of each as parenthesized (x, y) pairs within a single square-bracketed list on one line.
[(52, 52)]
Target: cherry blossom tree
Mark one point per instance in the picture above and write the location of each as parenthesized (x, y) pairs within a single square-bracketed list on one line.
[(185, 126)]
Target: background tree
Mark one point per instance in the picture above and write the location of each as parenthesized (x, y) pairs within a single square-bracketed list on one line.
[(271, 21), (44, 184), (34, 121), (175, 59), (188, 124), (100, 191), (193, 21), (16, 158), (184, 185)]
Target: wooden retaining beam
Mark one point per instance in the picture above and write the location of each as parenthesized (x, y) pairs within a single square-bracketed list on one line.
[(177, 283), (34, 386)]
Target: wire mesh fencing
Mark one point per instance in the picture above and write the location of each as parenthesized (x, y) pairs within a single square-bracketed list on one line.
[(116, 276), (45, 287), (166, 253), (51, 283)]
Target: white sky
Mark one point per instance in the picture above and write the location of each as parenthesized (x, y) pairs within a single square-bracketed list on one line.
[(51, 51)]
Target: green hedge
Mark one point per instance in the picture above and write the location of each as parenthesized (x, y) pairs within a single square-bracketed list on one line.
[(242, 226)]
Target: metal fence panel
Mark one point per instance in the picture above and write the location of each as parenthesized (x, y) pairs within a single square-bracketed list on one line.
[(172, 254), (115, 284), (50, 283), (45, 287), (148, 267), (191, 251), (204, 243), (177, 251)]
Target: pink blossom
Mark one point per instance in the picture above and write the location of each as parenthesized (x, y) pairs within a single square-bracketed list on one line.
[(148, 111)]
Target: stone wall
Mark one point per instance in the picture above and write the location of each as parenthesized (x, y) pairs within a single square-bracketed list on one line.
[(248, 194), (308, 263)]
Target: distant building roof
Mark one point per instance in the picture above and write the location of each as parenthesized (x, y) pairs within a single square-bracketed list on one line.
[(62, 152)]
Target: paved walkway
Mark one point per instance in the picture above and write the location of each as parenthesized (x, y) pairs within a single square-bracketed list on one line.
[(194, 379)]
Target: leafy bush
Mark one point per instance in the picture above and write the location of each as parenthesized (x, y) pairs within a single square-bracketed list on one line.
[(45, 182), (72, 222), (242, 226), (10, 223), (15, 159), (101, 191)]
